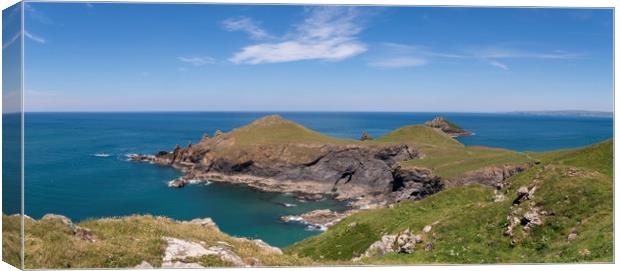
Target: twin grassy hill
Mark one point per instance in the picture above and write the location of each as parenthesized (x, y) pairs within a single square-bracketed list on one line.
[(574, 187), (441, 153)]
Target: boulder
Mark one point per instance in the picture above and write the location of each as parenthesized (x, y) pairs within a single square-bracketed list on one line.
[(427, 228), (428, 247), (405, 241)]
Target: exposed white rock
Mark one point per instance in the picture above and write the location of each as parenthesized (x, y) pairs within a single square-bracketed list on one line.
[(266, 247), (65, 220), (178, 250), (427, 228)]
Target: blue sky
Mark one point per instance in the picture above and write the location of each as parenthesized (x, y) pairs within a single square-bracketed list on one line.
[(11, 56), (143, 57)]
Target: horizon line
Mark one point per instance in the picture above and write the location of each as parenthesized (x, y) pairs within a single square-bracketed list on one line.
[(316, 111)]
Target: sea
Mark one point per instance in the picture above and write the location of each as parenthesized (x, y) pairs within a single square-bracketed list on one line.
[(76, 163)]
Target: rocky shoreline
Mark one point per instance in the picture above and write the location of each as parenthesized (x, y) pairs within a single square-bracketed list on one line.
[(367, 174)]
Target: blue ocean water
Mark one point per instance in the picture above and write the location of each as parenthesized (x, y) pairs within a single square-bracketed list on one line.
[(75, 162)]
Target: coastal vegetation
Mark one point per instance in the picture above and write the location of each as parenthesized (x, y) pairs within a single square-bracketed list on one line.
[(469, 224), (438, 201)]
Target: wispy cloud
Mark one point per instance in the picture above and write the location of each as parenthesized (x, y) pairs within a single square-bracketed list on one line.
[(28, 35), (12, 40), (504, 53), (498, 64), (327, 33), (197, 61), (34, 38), (398, 62), (247, 25), (400, 55)]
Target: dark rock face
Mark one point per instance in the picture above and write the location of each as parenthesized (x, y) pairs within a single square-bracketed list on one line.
[(345, 172), (414, 184)]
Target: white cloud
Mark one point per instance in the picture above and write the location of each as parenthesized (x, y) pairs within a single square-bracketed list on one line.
[(327, 33), (34, 38), (197, 61), (398, 62), (247, 25)]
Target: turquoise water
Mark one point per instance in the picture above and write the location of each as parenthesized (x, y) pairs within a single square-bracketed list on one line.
[(64, 174)]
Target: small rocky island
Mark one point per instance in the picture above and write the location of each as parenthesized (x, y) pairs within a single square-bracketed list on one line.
[(447, 127)]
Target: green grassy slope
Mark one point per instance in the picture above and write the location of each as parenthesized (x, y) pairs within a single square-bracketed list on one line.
[(575, 187), (446, 156)]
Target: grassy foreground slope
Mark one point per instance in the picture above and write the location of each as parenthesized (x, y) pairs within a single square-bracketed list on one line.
[(126, 242), (574, 188), (11, 241)]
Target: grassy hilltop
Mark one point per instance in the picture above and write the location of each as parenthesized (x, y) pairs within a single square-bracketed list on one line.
[(559, 209)]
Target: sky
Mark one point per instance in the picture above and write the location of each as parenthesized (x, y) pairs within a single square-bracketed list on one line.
[(202, 57), (11, 59)]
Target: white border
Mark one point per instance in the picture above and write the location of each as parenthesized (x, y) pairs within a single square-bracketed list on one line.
[(498, 3)]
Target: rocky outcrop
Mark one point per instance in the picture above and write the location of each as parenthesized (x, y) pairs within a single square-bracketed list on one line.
[(318, 219), (493, 176), (447, 127), (524, 210), (403, 242), (79, 232)]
